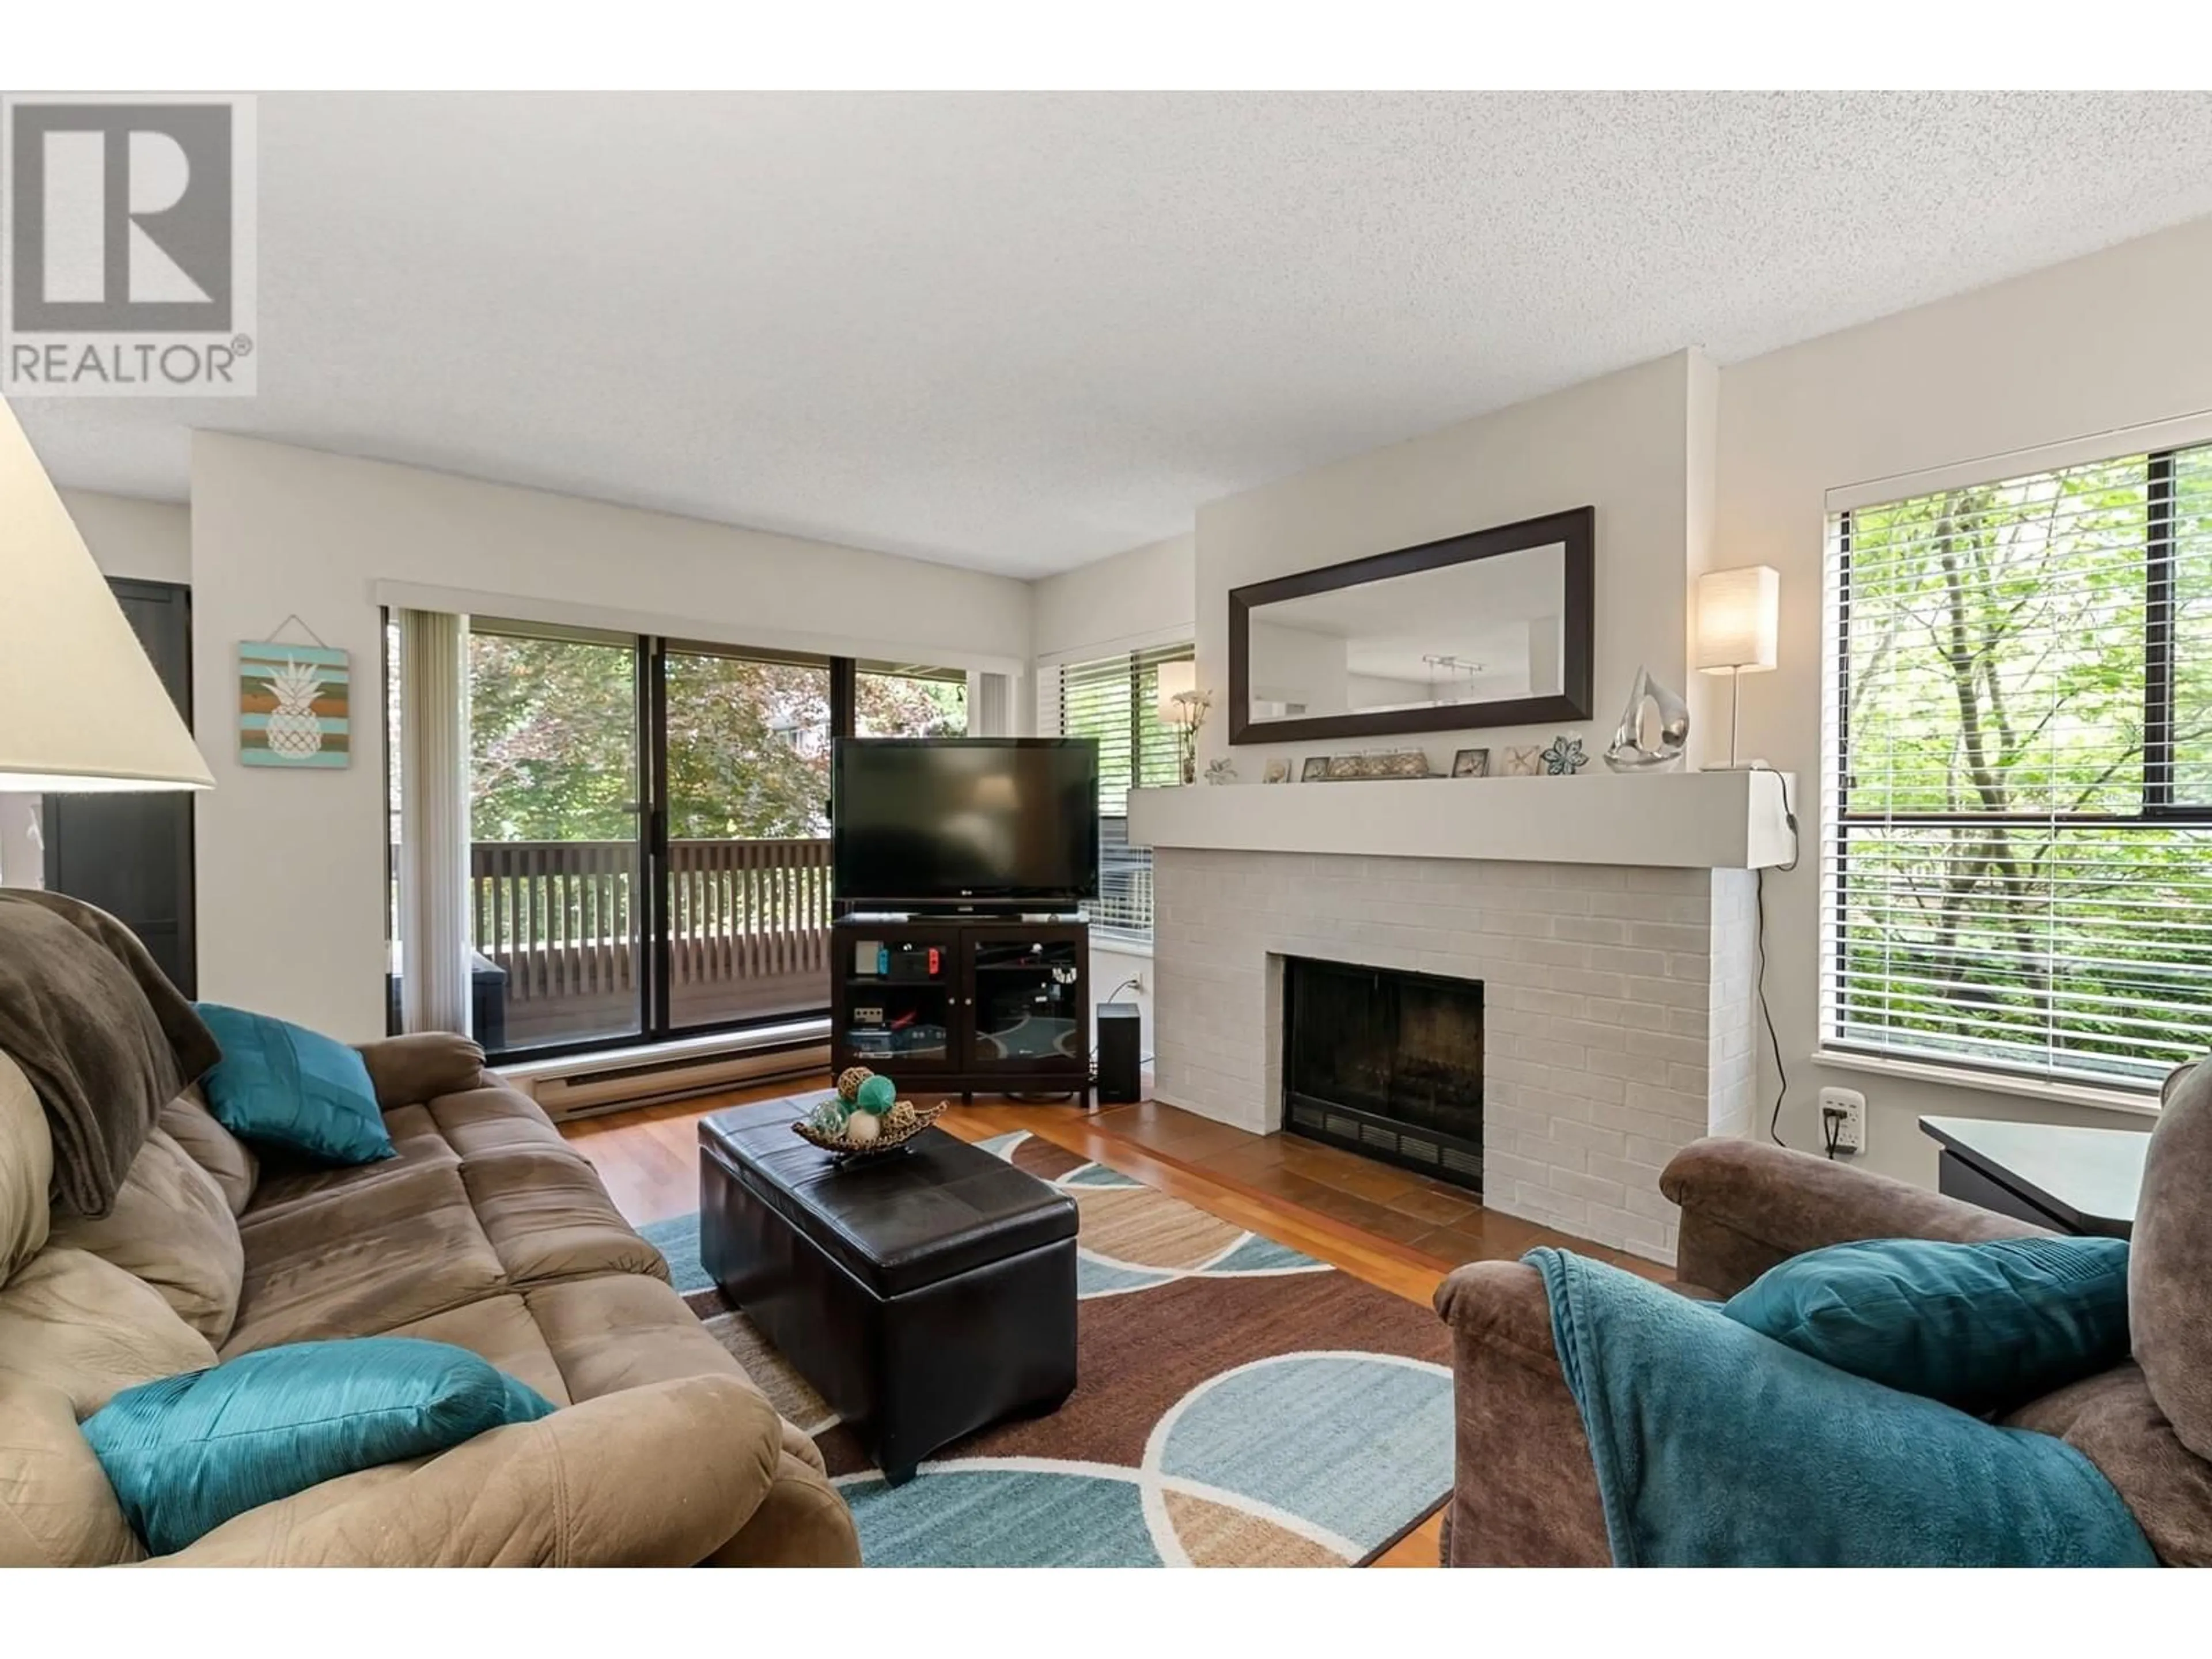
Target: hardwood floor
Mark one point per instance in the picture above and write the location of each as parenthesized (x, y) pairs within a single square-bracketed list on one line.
[(1396, 1230)]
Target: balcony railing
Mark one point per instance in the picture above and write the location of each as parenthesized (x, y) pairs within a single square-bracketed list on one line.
[(749, 933)]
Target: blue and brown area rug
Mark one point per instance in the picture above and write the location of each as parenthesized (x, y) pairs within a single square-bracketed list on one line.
[(1238, 1404)]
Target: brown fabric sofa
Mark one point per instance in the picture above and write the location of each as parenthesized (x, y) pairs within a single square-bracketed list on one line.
[(487, 1231), (1525, 1494)]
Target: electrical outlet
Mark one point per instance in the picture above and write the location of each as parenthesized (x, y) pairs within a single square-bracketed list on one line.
[(1850, 1133)]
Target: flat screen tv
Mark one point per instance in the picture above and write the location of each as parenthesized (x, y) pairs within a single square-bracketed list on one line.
[(965, 822)]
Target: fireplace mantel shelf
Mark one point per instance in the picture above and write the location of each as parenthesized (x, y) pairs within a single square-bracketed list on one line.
[(1678, 820)]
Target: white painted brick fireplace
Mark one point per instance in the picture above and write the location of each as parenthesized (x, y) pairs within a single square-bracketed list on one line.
[(1618, 998)]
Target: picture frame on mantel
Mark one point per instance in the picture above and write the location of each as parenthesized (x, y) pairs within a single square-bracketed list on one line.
[(1573, 532)]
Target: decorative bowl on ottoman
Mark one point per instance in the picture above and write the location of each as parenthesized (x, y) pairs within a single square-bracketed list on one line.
[(867, 1119)]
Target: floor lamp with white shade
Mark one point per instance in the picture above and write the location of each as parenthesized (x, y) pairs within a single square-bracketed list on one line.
[(81, 707)]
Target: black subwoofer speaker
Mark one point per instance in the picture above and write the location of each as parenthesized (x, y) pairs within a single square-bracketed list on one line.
[(1120, 1057)]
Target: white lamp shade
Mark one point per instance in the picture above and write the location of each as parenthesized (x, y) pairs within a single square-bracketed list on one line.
[(1739, 619), (81, 708), (1177, 679)]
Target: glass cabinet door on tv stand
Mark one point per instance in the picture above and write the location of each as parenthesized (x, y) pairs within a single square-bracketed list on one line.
[(899, 1003), (1025, 1009)]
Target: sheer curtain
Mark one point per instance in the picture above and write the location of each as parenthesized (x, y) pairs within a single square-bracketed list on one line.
[(434, 842), (22, 853), (991, 705)]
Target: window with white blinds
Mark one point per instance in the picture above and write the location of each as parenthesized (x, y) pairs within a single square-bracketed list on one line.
[(1114, 699), (2017, 857)]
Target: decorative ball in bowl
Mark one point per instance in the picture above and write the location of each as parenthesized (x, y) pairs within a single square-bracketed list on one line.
[(866, 1118)]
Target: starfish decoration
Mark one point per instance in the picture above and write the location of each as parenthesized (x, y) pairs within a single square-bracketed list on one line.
[(1564, 757)]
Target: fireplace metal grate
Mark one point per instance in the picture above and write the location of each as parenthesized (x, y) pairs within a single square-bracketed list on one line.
[(1446, 1156)]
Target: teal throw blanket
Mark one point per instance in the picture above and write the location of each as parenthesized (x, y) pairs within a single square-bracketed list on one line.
[(1718, 1446)]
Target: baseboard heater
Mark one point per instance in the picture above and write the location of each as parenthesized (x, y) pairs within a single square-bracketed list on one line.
[(584, 1090)]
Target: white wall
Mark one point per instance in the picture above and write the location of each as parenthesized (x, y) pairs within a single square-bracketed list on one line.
[(1366, 691), (1297, 665), (1701, 486), (1622, 444), (1146, 596), (2107, 342), (146, 540), (1109, 968), (291, 864)]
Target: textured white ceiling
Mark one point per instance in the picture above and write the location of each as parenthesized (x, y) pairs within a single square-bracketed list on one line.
[(1018, 332)]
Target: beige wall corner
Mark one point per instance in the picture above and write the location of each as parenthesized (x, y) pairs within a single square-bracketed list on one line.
[(1147, 596), (138, 540)]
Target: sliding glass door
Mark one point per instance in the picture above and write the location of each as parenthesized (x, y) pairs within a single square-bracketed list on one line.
[(556, 855), (746, 758), (649, 827)]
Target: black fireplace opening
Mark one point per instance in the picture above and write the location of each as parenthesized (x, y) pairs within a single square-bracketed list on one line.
[(1387, 1064)]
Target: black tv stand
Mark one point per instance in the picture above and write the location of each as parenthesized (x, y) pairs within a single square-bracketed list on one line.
[(976, 1004)]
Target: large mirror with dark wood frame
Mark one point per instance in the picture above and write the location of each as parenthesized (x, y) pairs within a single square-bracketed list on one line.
[(1490, 628)]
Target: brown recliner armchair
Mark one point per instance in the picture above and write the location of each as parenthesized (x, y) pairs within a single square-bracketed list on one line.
[(1525, 1493)]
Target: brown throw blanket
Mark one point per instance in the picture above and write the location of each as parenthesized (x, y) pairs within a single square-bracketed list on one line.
[(104, 1037)]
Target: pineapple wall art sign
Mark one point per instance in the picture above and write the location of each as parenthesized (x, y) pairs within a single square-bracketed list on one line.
[(292, 705)]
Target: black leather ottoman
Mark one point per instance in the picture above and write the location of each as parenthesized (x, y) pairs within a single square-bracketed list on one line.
[(925, 1295)]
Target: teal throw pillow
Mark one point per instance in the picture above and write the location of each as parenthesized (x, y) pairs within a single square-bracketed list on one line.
[(1981, 1327), (288, 1086), (187, 1454)]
